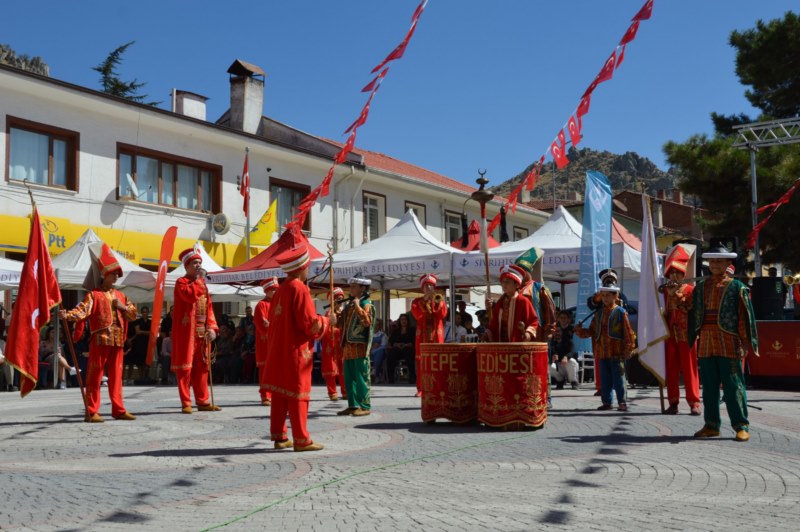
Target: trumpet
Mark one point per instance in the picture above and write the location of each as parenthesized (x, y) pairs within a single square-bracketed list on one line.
[(791, 279), (438, 298)]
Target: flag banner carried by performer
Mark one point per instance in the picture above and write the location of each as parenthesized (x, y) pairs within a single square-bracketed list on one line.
[(167, 246), (652, 328), (261, 235), (38, 293), (595, 244)]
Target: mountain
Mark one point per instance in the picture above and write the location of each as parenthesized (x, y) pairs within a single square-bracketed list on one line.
[(32, 64), (628, 171)]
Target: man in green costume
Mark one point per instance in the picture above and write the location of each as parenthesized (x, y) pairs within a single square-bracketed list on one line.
[(358, 325), (721, 320)]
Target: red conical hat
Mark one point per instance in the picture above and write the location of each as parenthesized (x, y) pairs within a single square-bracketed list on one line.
[(677, 259), (108, 262)]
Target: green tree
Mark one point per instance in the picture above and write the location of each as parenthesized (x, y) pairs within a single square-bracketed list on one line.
[(718, 174), (111, 82)]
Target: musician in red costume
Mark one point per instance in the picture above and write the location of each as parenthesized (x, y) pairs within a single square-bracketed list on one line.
[(513, 317), (681, 358), (108, 314), (332, 357), (193, 329), (261, 323), (430, 315), (293, 323)]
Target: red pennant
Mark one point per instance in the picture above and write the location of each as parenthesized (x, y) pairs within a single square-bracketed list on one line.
[(630, 34), (608, 68), (557, 150), (620, 57), (376, 82), (574, 131), (400, 49), (326, 183), (348, 147), (494, 223), (583, 108), (244, 188), (645, 12)]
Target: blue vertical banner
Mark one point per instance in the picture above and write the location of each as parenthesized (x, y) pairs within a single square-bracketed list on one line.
[(595, 245)]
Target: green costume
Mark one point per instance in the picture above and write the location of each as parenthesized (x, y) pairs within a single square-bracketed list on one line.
[(359, 327)]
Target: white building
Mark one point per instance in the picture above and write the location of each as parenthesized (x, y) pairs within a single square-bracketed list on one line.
[(75, 146)]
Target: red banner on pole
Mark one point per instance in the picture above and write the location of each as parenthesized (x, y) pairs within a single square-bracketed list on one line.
[(167, 246), (38, 293)]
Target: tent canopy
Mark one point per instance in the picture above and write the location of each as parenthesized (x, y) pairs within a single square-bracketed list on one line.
[(560, 238), (10, 271), (264, 264), (72, 266), (395, 260), (473, 239)]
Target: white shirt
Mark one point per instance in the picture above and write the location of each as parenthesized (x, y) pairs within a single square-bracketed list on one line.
[(459, 336)]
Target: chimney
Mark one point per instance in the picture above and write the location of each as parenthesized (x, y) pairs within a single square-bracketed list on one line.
[(189, 104), (658, 213), (677, 196), (247, 96), (661, 194), (574, 196)]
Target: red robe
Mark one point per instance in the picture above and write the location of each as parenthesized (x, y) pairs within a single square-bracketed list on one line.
[(261, 323), (430, 328), (191, 301), (507, 313), (294, 323)]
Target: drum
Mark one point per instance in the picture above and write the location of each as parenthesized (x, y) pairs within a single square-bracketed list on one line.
[(512, 384), (449, 382)]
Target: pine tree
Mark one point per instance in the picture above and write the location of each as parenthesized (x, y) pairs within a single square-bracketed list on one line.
[(111, 82)]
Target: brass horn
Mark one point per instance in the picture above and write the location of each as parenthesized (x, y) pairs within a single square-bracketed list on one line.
[(791, 279)]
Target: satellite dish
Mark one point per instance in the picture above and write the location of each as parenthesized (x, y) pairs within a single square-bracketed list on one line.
[(221, 223), (132, 188)]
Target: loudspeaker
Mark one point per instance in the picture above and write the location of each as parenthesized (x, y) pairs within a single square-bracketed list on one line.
[(768, 294)]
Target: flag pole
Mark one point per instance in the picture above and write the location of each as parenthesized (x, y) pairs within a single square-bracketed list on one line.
[(247, 213), (71, 347)]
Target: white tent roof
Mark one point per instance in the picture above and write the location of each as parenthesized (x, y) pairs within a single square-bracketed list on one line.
[(219, 292), (560, 239), (395, 260), (74, 263), (10, 271)]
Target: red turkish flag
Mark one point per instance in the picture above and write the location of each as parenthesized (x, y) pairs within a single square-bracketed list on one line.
[(494, 223), (400, 49), (583, 108), (326, 183), (167, 246), (244, 188), (558, 152), (574, 131), (645, 12), (630, 34), (608, 68), (376, 82), (38, 293), (348, 147)]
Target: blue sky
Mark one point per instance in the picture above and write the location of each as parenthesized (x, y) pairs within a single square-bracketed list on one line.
[(483, 84)]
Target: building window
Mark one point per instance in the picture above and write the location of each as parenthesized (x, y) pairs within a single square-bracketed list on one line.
[(419, 212), (374, 215), (164, 179), (452, 226), (42, 154), (289, 196), (520, 233)]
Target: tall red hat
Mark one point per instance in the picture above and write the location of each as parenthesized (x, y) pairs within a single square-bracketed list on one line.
[(107, 262), (678, 259), (338, 293), (294, 259), (269, 282), (513, 272), (188, 255), (428, 278)]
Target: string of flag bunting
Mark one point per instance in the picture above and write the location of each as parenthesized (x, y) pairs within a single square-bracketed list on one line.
[(574, 124), (372, 88)]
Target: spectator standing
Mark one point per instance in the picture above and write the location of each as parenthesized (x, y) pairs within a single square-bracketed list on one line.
[(401, 346)]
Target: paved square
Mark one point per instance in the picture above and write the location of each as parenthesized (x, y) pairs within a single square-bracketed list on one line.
[(586, 470)]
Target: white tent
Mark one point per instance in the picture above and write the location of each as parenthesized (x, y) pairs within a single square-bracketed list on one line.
[(560, 239), (72, 266), (395, 260), (10, 271), (219, 292)]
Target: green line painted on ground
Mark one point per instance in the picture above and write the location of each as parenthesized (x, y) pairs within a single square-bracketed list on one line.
[(359, 473)]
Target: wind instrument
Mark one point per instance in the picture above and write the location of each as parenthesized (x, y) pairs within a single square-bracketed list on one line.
[(791, 279)]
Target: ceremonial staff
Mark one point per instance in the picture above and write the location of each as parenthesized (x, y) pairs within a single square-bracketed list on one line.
[(207, 342), (330, 276), (484, 196)]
